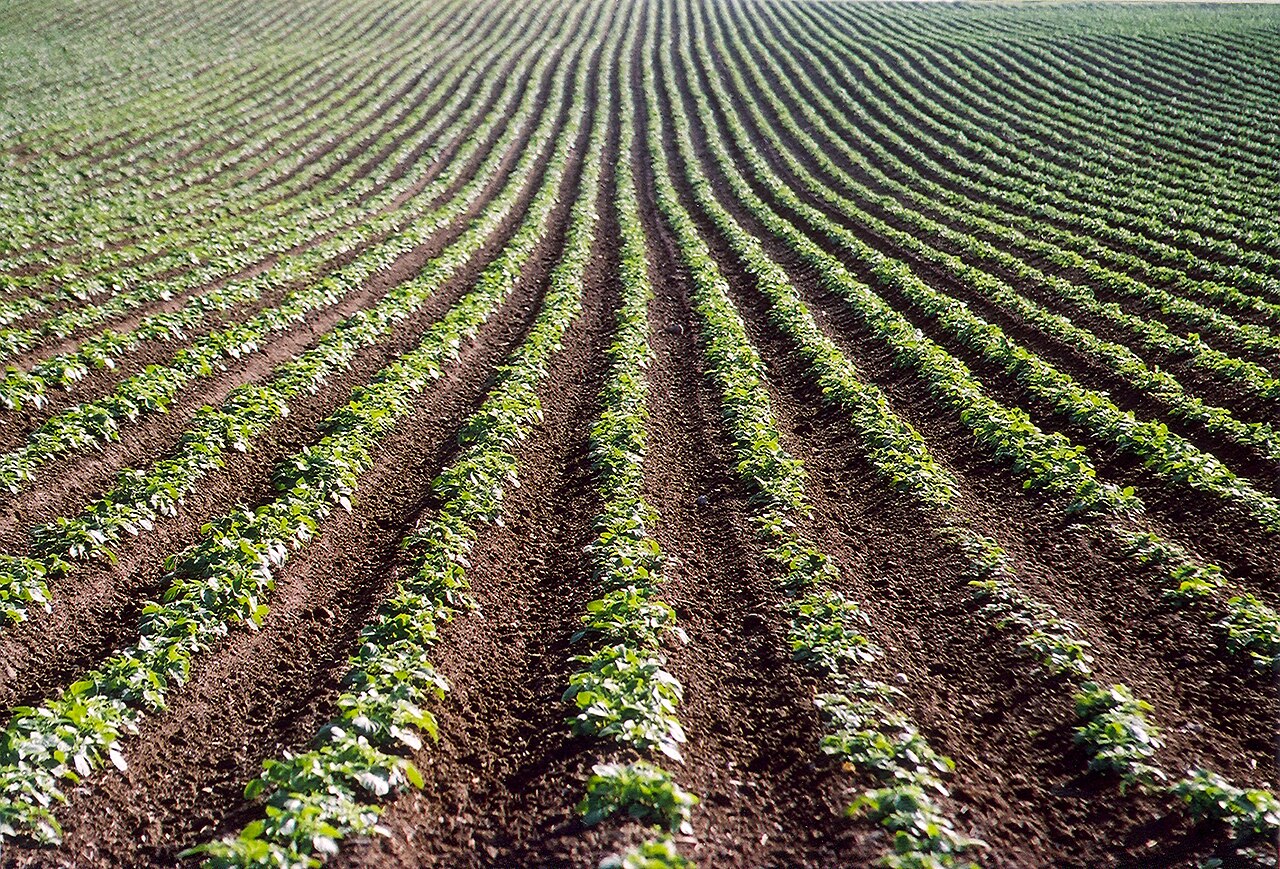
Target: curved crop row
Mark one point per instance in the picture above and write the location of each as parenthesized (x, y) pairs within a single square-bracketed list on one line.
[(140, 498), (226, 233), (1250, 625), (331, 231), (153, 389), (621, 689), (323, 795), (1131, 742), (225, 578), (863, 729)]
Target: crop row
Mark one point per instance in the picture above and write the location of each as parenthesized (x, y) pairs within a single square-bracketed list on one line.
[(1157, 383), (207, 157), (153, 389), (863, 729), (1023, 232), (321, 796), (1147, 182), (140, 498), (342, 184), (225, 579), (50, 87), (1042, 631), (1250, 626), (621, 689), (221, 234), (339, 235), (1165, 453), (277, 228), (1028, 195), (939, 144)]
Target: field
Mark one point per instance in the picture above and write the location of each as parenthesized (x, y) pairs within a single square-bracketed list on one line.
[(639, 433)]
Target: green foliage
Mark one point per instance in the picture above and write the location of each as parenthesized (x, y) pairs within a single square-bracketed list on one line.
[(825, 626), (1250, 812), (629, 696), (1117, 735), (825, 633), (1041, 630), (660, 853), (226, 577), (642, 790), (1252, 627), (389, 681)]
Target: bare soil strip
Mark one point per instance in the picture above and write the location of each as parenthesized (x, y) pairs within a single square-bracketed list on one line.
[(267, 691), (1011, 721), (96, 608)]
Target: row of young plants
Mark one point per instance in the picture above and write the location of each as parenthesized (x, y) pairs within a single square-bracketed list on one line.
[(1156, 383), (1143, 136), (71, 137), (152, 390), (1252, 338), (1227, 65), (863, 730), (310, 160), (1168, 234), (1250, 626), (1055, 95), (1126, 100), (273, 230), (81, 70), (93, 102), (225, 579), (190, 226), (178, 158), (1230, 60), (321, 796), (46, 143), (1126, 163), (1202, 112), (1048, 460), (1004, 184), (1002, 181), (153, 176), (1014, 166), (58, 217), (229, 231), (1232, 371), (140, 498), (1165, 453), (621, 689), (1048, 636), (1112, 727), (300, 253), (1150, 183)]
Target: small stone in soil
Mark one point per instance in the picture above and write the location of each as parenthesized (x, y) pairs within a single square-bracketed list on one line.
[(703, 500), (675, 329)]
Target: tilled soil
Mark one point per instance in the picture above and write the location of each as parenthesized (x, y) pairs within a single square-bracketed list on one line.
[(96, 607), (241, 699), (505, 777)]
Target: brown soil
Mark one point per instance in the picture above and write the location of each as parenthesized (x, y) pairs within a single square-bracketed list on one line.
[(95, 608), (1216, 711), (188, 766), (505, 777)]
